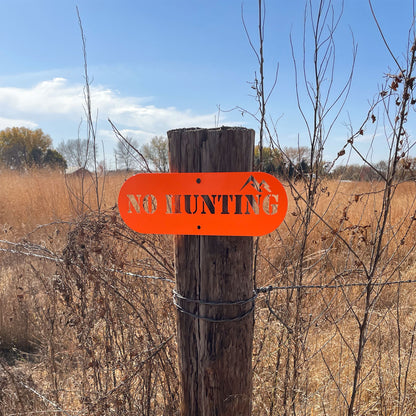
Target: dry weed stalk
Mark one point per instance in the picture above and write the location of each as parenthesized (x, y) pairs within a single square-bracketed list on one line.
[(354, 244)]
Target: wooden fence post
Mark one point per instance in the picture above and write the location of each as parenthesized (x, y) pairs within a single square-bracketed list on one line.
[(214, 289)]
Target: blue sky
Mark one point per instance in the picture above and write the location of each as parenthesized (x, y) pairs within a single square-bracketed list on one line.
[(158, 65)]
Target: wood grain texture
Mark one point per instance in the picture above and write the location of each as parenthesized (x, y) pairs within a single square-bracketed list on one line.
[(214, 357)]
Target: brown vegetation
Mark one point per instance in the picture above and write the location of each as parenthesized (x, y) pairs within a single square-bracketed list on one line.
[(80, 331)]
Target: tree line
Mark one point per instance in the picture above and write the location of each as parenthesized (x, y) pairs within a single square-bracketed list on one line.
[(128, 155), (22, 148), (292, 163)]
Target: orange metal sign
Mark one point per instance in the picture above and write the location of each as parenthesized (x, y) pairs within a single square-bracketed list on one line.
[(224, 203)]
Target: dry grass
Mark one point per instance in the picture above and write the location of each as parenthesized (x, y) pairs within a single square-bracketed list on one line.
[(33, 198), (94, 340), (311, 369)]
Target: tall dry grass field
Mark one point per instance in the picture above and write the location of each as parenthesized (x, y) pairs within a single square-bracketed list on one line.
[(339, 323), (83, 329), (39, 197)]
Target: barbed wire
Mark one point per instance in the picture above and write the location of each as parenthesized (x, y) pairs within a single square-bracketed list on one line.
[(267, 289), (256, 291), (9, 250), (57, 259), (163, 279), (214, 303), (35, 412), (46, 400)]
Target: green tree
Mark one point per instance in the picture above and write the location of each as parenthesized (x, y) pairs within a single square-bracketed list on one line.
[(272, 159), (36, 156), (54, 160), (22, 148)]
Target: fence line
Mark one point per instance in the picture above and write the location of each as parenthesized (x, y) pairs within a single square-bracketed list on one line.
[(61, 260), (9, 250), (46, 400), (267, 289), (257, 290)]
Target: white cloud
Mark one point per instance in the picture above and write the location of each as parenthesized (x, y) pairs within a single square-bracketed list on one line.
[(50, 97), (57, 98), (141, 135), (11, 122), (57, 107)]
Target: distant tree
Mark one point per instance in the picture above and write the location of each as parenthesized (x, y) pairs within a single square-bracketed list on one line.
[(293, 162), (22, 148), (156, 152), (77, 152), (356, 172), (125, 155), (272, 159), (54, 160), (303, 168), (382, 167), (406, 168), (36, 157), (297, 154)]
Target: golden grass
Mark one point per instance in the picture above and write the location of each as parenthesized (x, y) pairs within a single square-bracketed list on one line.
[(106, 340), (319, 359), (38, 197)]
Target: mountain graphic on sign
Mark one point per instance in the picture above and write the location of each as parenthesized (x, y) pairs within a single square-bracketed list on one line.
[(259, 187)]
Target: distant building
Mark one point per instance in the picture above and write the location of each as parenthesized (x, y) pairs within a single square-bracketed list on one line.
[(77, 171)]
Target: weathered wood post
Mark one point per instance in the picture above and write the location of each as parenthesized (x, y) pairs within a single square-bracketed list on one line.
[(214, 289)]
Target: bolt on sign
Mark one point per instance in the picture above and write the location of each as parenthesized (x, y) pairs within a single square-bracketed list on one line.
[(218, 203)]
